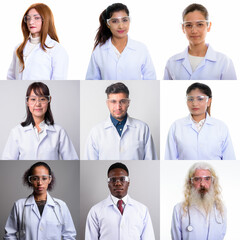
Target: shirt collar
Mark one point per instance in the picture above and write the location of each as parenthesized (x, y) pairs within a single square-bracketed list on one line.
[(48, 127), (115, 121), (115, 200), (208, 120), (31, 201), (129, 122)]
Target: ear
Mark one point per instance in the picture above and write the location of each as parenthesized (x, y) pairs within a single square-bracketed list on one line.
[(209, 26), (50, 99), (183, 29), (209, 102)]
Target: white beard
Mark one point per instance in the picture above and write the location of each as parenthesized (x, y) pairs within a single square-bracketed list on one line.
[(205, 201)]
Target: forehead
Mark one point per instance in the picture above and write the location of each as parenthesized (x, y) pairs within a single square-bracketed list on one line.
[(121, 13), (202, 172), (40, 170), (117, 172), (117, 96), (196, 92), (33, 11), (194, 16)]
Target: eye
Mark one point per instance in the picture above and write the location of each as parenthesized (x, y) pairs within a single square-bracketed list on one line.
[(125, 19), (188, 25), (122, 179), (200, 99), (114, 20), (190, 99), (200, 24), (32, 99), (207, 178), (197, 179)]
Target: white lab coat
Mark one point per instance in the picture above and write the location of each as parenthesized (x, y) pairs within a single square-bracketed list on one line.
[(215, 66), (135, 143), (23, 144), (213, 142), (134, 64), (105, 222), (51, 64), (212, 228), (55, 222)]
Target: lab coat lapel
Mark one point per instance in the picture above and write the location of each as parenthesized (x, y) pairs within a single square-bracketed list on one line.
[(31, 202), (186, 62), (110, 48)]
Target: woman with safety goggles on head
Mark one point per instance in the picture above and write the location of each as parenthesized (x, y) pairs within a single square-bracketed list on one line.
[(39, 56), (199, 136), (199, 61), (40, 216), (115, 55), (38, 137)]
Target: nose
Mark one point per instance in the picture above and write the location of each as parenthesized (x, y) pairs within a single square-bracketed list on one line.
[(118, 105), (120, 25), (194, 28), (31, 20), (118, 182)]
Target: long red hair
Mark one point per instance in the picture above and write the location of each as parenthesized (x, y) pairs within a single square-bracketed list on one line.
[(48, 28)]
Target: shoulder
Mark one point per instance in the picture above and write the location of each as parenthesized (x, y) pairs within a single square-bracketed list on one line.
[(19, 128), (137, 122), (55, 47), (217, 122), (98, 207), (180, 122), (139, 206), (218, 55), (176, 57)]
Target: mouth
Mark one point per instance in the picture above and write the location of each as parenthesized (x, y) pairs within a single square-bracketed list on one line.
[(195, 109), (121, 31), (40, 188), (38, 109)]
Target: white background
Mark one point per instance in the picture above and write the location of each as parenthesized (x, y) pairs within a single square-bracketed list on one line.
[(154, 22), (172, 180)]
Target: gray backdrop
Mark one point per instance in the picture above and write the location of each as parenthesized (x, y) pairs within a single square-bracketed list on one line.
[(144, 187), (66, 187), (65, 107), (144, 106)]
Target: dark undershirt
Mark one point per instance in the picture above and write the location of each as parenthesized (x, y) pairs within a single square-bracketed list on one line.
[(41, 205)]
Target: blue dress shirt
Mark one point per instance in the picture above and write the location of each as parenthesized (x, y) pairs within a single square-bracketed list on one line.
[(119, 125)]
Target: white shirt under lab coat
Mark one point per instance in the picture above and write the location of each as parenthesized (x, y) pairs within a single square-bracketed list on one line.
[(105, 222), (51, 64), (212, 227), (134, 63), (23, 144), (215, 66), (135, 143), (213, 142), (55, 222)]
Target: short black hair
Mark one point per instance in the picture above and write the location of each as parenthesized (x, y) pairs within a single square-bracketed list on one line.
[(202, 87), (118, 165), (29, 172), (117, 88)]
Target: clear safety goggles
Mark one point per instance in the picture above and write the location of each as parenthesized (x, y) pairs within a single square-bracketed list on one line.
[(115, 21), (121, 179), (203, 178), (35, 18), (36, 178), (32, 100), (199, 99), (198, 24), (122, 102)]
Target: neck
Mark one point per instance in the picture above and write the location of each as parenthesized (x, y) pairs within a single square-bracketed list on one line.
[(120, 43), (198, 118), (40, 197), (198, 50)]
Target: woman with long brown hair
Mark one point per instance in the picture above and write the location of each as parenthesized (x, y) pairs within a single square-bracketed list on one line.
[(39, 56)]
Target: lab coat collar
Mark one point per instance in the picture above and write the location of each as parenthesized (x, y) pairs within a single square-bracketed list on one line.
[(109, 123), (48, 128), (130, 44), (183, 56), (31, 200), (209, 120)]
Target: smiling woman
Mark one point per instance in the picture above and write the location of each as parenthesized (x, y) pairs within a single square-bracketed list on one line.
[(199, 61), (38, 137), (115, 55), (199, 136), (39, 56)]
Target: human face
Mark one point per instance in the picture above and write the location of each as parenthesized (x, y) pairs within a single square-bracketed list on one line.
[(121, 29), (38, 109), (202, 181), (34, 22), (196, 34), (40, 186), (198, 106), (118, 105), (118, 189)]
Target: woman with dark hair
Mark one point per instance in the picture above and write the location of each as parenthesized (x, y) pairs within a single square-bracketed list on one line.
[(115, 55), (38, 137), (40, 216), (39, 56), (199, 136), (199, 61)]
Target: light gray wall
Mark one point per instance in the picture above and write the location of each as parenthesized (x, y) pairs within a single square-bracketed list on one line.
[(144, 187), (66, 188), (144, 106), (65, 107)]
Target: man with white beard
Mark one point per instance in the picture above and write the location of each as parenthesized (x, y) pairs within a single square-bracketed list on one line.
[(202, 215)]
